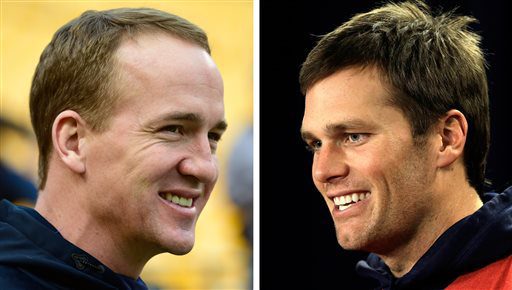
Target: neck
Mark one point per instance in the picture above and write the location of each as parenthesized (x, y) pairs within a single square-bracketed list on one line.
[(454, 207), (64, 209)]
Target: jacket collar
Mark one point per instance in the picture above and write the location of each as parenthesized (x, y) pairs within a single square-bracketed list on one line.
[(471, 243)]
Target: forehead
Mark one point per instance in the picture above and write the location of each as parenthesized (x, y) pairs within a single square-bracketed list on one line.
[(165, 71), (348, 89), (352, 95), (352, 84), (159, 56)]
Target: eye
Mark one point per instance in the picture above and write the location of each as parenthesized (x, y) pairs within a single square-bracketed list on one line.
[(356, 137), (314, 146), (214, 140), (175, 129), (214, 136)]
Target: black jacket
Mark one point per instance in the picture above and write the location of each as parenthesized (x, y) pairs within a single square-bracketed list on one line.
[(472, 243), (33, 255)]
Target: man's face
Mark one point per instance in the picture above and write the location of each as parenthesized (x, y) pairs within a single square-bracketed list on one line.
[(152, 171), (375, 180)]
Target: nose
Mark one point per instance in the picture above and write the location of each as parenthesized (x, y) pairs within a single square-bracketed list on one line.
[(200, 162), (329, 164)]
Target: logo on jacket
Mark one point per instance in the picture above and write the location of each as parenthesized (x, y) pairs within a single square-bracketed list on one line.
[(82, 261)]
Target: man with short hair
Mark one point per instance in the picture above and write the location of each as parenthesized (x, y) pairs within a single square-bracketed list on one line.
[(397, 119), (127, 106)]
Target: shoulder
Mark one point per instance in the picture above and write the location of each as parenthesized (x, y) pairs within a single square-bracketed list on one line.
[(40, 278), (16, 278), (497, 275)]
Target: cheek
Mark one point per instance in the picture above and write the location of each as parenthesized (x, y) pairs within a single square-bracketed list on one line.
[(384, 159), (104, 167), (406, 178), (319, 185), (371, 164), (382, 171), (152, 163), (215, 160)]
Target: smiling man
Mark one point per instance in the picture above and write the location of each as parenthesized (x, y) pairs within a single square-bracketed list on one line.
[(397, 119), (127, 106)]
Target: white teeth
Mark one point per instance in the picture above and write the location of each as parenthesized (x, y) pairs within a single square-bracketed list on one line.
[(183, 201), (344, 207), (346, 201)]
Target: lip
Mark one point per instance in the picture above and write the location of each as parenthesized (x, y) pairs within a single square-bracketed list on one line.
[(189, 212), (187, 193), (332, 195)]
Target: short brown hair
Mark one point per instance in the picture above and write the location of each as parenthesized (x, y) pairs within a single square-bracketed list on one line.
[(432, 63), (76, 68)]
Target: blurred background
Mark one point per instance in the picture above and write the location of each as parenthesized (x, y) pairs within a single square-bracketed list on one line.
[(297, 233), (222, 255)]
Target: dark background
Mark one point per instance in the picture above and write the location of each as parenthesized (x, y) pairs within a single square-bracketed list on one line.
[(298, 243)]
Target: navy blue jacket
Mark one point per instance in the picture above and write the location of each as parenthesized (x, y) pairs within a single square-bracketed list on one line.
[(33, 255), (472, 243)]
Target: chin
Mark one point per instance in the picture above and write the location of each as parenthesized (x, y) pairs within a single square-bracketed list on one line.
[(347, 245), (180, 253), (180, 247), (349, 242)]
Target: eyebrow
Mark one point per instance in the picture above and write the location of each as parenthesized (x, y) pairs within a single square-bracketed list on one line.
[(194, 118), (333, 129), (305, 135), (221, 126)]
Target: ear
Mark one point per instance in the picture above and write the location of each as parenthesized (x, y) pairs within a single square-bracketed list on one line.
[(453, 133), (68, 132)]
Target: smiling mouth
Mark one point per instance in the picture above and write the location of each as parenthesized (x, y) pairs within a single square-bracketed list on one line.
[(346, 201), (179, 200)]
